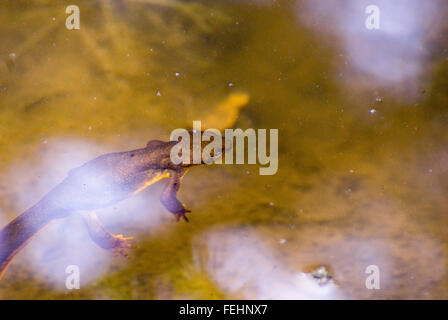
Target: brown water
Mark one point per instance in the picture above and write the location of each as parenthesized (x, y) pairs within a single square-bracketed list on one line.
[(362, 157)]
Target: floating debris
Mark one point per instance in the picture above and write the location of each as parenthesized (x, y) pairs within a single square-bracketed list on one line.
[(321, 275)]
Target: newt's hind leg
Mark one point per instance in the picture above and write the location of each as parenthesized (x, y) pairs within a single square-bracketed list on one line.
[(105, 239)]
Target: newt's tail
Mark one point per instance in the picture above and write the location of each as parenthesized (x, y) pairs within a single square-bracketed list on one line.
[(15, 235)]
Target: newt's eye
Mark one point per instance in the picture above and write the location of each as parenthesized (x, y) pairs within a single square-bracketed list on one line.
[(132, 155)]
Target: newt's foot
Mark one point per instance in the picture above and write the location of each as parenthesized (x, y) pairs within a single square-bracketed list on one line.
[(181, 215), (121, 244)]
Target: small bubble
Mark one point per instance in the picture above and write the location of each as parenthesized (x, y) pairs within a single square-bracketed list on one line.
[(282, 241), (372, 111), (351, 171), (271, 204), (379, 99), (177, 74), (158, 93), (230, 84)]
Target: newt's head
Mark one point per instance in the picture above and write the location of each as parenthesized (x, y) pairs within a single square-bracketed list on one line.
[(199, 147)]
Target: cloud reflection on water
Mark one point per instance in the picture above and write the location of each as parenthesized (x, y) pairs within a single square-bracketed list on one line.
[(394, 53), (66, 241), (243, 264)]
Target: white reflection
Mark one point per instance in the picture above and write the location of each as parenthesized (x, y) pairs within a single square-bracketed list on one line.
[(243, 265), (393, 53), (66, 241)]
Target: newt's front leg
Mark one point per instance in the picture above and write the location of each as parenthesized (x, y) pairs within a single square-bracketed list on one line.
[(169, 195), (105, 239)]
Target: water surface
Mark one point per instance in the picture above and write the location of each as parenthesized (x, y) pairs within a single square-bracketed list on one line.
[(362, 145)]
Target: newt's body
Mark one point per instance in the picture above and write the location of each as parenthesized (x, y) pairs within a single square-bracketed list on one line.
[(97, 184)]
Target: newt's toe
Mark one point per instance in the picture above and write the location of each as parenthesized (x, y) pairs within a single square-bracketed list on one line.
[(181, 215), (123, 243)]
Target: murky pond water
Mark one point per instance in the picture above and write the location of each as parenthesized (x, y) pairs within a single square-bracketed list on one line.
[(363, 164)]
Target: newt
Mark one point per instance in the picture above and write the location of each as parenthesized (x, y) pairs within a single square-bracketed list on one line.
[(97, 184)]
